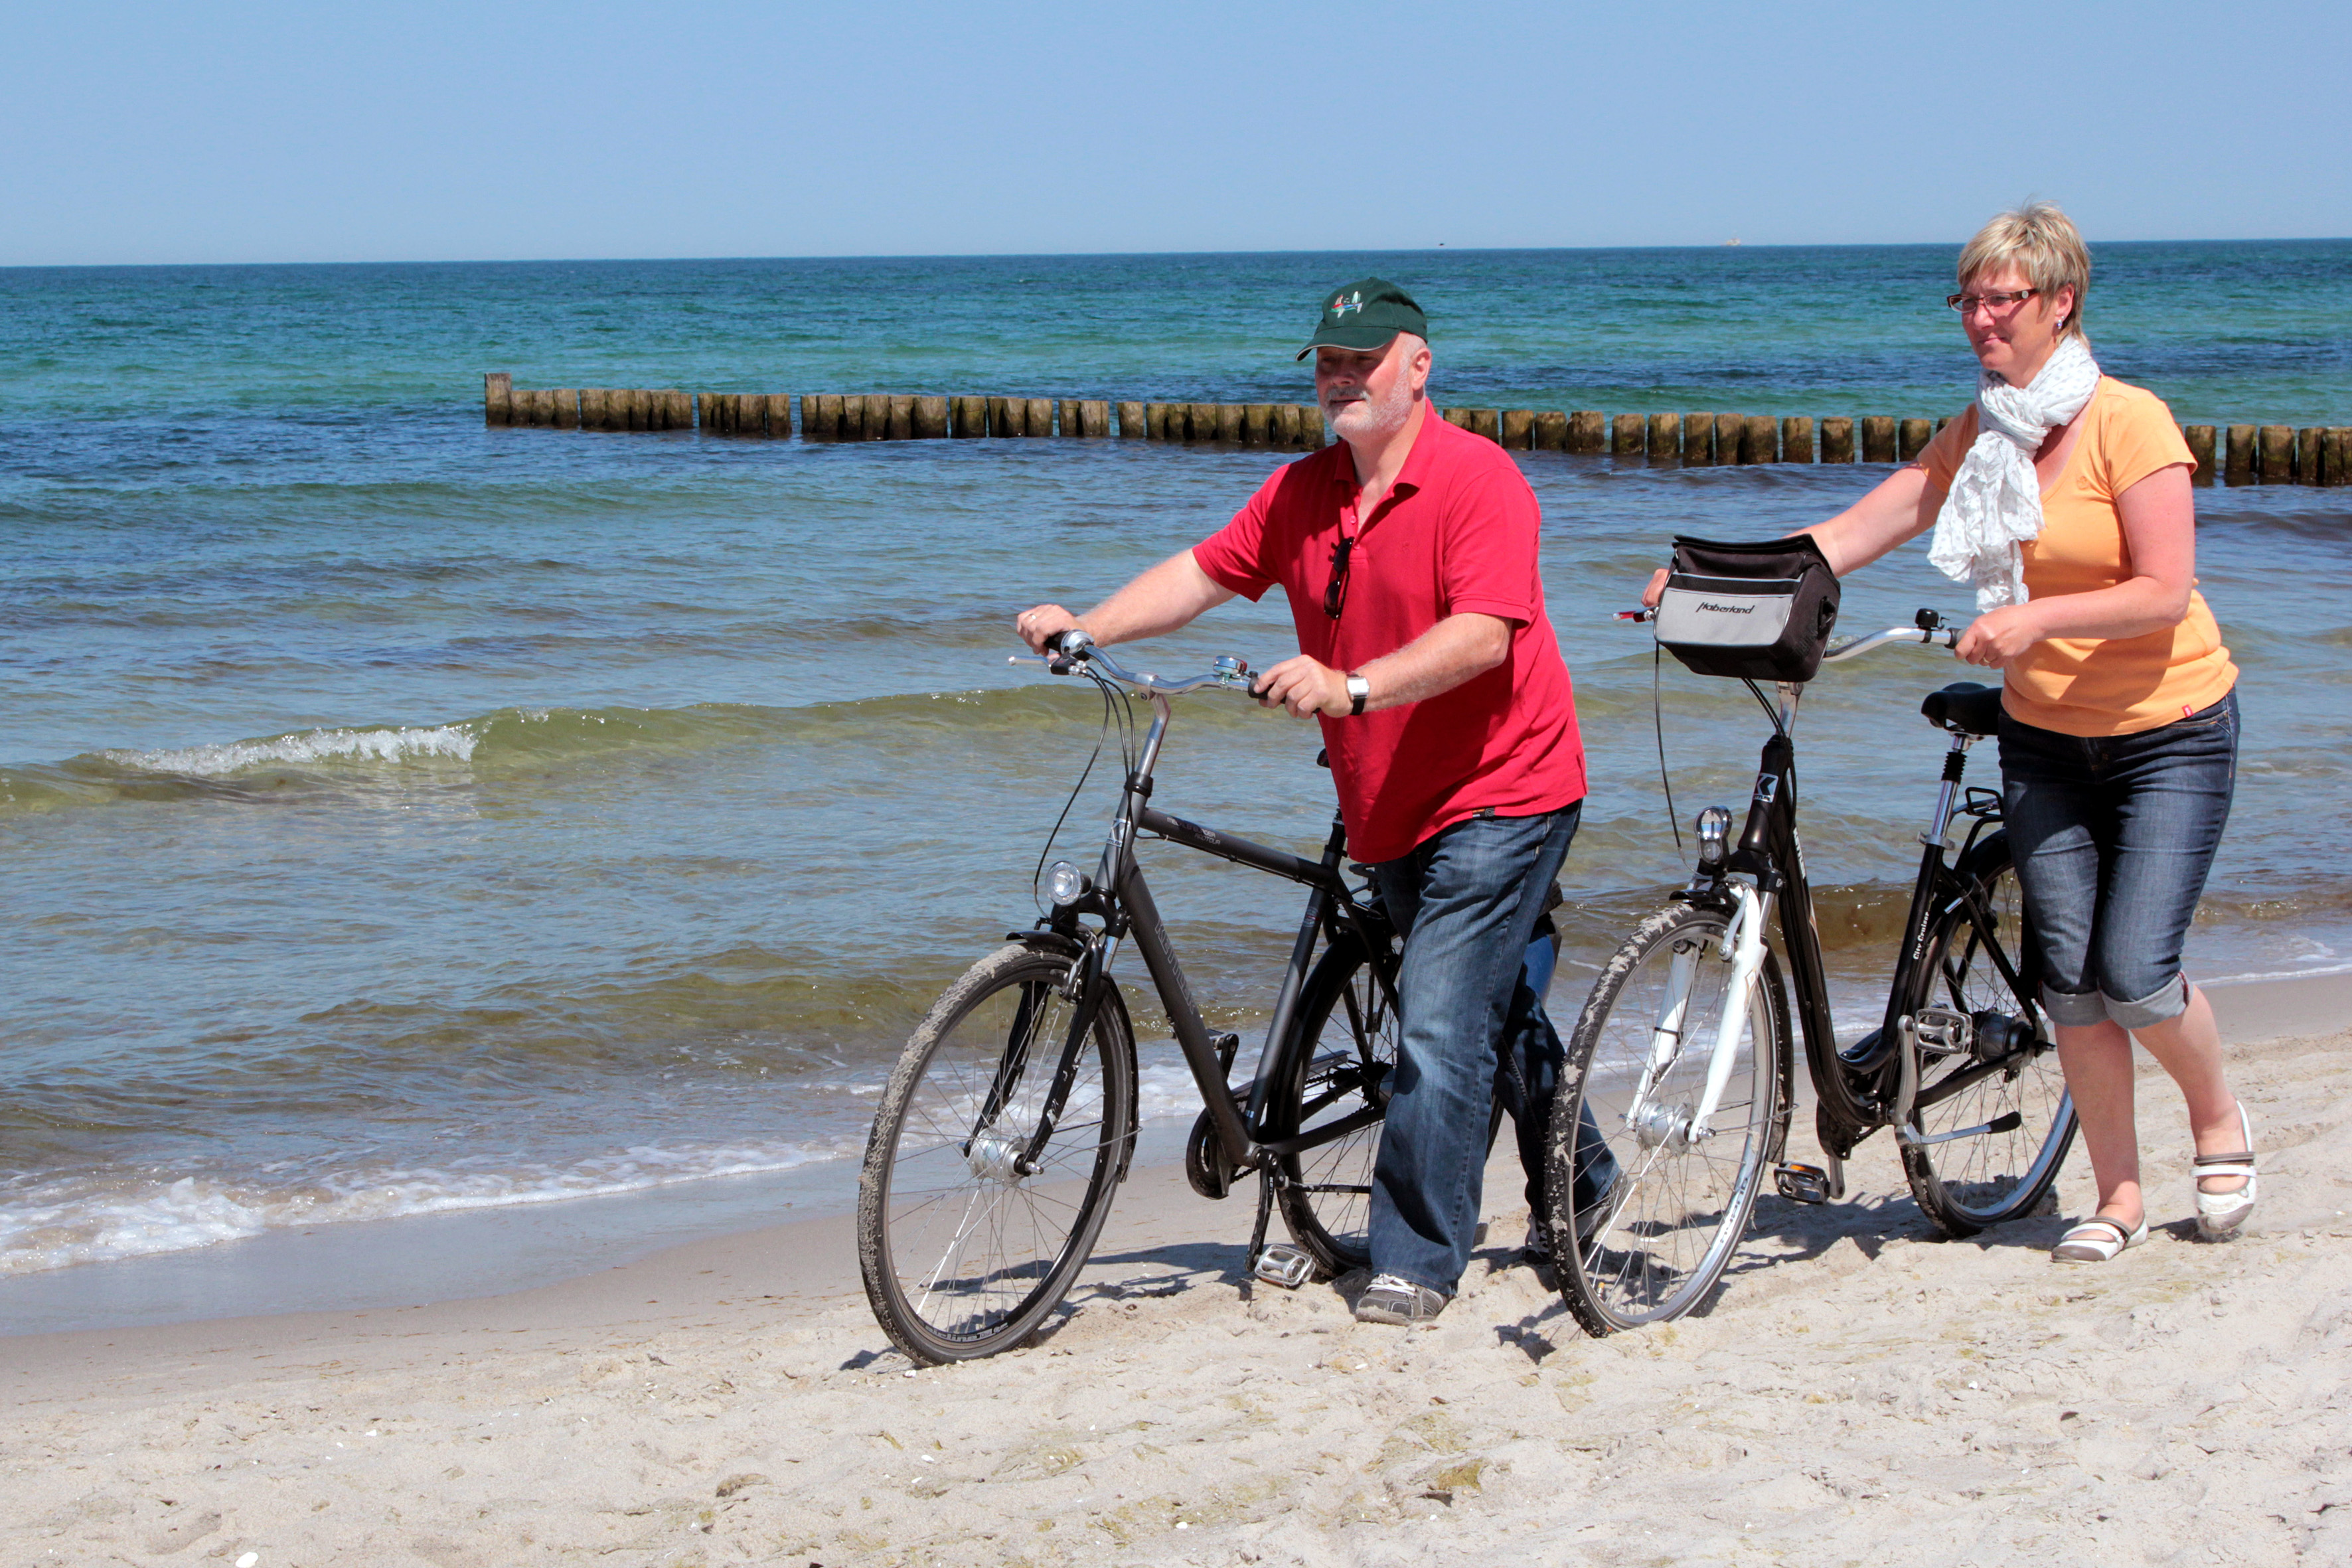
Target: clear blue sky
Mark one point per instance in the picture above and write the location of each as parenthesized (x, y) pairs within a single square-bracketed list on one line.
[(271, 132)]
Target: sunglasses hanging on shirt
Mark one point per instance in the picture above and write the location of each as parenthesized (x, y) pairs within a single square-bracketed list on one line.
[(1335, 593)]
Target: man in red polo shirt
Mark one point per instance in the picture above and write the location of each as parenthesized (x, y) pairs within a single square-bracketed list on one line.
[(1407, 552)]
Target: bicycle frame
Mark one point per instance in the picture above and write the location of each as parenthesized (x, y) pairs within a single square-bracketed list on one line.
[(1121, 899), (1763, 873)]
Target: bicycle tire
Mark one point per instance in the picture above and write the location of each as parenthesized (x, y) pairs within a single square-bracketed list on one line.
[(963, 1256), (1656, 1245), (1964, 1185), (1338, 1061)]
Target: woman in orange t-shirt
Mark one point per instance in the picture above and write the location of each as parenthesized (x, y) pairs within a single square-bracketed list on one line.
[(2065, 496)]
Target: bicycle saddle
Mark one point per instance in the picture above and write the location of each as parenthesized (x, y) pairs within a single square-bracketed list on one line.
[(1965, 705)]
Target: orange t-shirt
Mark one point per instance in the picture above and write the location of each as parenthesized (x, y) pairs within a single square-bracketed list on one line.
[(2101, 686)]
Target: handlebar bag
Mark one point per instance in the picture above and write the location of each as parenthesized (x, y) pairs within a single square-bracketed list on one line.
[(1762, 612)]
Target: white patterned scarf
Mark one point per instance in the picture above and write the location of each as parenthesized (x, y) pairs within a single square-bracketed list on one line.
[(1995, 504)]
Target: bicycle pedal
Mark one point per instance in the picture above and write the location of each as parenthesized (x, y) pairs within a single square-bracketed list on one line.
[(1942, 1030), (1280, 1263), (1803, 1184)]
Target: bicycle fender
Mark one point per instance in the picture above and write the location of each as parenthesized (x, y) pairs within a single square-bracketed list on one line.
[(1116, 1001), (1045, 940)]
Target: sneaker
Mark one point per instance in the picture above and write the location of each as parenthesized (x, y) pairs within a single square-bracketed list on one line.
[(1538, 1245), (1392, 1299)]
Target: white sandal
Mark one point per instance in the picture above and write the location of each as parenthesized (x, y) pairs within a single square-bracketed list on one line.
[(2219, 1214), (2096, 1240)]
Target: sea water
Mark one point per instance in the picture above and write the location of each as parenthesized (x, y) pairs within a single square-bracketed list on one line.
[(401, 815)]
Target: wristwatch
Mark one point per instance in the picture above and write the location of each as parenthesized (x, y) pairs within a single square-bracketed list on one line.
[(1358, 689)]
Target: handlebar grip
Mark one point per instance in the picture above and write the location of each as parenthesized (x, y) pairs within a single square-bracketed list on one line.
[(1069, 641)]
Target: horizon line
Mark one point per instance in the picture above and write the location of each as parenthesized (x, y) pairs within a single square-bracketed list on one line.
[(1734, 244)]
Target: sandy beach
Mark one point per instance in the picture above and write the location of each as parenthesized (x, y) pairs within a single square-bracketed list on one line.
[(1859, 1392)]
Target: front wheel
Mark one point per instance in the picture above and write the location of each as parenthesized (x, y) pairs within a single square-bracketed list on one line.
[(1993, 1121), (1663, 1211), (967, 1241)]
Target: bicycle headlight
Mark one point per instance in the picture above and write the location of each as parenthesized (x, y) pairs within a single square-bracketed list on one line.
[(1714, 829), (1064, 883)]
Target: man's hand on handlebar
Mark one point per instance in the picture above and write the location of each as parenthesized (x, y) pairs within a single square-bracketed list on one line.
[(1045, 621), (1304, 688), (1655, 591)]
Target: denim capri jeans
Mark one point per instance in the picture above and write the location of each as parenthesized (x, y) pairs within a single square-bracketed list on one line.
[(2113, 835)]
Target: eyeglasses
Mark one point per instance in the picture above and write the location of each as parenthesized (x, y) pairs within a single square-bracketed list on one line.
[(1335, 595), (1998, 304)]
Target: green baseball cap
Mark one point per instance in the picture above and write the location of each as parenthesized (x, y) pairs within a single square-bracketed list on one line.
[(1365, 315)]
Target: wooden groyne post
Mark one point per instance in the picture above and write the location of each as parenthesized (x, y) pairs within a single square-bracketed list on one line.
[(1837, 441), (1797, 440), (2200, 447), (1698, 440), (1665, 437), (2275, 455)]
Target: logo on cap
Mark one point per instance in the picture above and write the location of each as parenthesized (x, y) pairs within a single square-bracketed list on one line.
[(1346, 302)]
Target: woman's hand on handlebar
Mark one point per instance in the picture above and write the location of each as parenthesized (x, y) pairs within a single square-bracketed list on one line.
[(1043, 622), (1655, 591), (1998, 638)]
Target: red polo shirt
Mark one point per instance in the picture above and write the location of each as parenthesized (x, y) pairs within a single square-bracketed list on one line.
[(1457, 533)]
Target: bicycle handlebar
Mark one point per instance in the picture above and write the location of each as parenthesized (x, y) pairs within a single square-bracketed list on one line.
[(1854, 648), (1074, 647), (1939, 636)]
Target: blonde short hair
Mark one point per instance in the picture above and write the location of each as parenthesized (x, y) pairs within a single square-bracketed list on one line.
[(2041, 242)]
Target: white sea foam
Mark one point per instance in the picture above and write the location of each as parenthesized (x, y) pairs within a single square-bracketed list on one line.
[(1164, 1085), (387, 744), (92, 1221), (2318, 961)]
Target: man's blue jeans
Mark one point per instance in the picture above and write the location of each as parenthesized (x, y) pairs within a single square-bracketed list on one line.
[(1465, 901), (1532, 1056)]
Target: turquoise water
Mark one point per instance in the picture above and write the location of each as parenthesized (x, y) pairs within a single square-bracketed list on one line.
[(399, 814)]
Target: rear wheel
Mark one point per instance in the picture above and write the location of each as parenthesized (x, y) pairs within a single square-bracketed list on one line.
[(1993, 1121), (1338, 1068), (1663, 1230), (965, 1245)]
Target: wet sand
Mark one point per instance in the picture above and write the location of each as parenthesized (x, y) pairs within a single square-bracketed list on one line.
[(1860, 1392)]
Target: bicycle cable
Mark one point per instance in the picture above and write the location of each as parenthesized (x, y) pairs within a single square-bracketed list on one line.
[(1658, 721), (1037, 872), (1774, 714)]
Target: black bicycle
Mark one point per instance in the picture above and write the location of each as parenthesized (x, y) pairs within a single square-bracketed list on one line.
[(1683, 1053), (1010, 1117)]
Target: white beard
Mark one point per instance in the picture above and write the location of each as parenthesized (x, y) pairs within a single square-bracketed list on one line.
[(1370, 419)]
